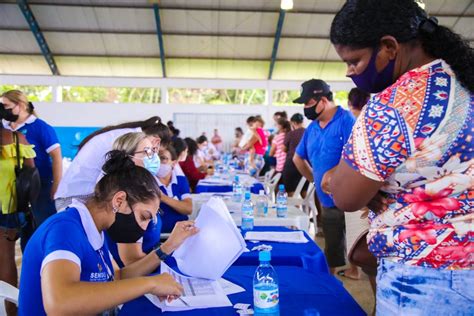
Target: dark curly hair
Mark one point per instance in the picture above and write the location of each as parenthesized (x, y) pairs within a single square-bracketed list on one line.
[(362, 23), (358, 98)]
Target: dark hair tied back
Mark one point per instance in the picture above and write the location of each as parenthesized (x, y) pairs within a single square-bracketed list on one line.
[(117, 161)]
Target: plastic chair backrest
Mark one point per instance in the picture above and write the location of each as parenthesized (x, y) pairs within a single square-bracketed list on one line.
[(7, 293), (299, 187)]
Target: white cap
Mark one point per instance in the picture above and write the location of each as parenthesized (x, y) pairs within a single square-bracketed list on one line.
[(261, 192)]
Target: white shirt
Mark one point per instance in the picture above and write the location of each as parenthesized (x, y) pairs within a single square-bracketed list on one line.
[(81, 176)]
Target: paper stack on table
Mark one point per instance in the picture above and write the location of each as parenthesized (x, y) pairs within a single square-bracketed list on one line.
[(209, 253), (289, 237), (214, 181)]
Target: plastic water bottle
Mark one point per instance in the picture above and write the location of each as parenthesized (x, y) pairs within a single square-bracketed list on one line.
[(247, 163), (265, 287), (247, 213), (262, 204), (236, 190), (282, 202)]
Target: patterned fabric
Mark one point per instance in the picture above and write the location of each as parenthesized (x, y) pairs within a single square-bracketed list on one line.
[(280, 155), (416, 136)]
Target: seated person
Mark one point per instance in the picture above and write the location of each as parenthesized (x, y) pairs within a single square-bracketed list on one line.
[(188, 167), (125, 246), (176, 202), (67, 268)]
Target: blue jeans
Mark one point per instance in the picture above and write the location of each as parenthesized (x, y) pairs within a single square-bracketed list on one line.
[(412, 290)]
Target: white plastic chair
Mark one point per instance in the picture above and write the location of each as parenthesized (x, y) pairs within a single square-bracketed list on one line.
[(297, 199), (272, 185), (7, 293), (267, 176), (308, 206)]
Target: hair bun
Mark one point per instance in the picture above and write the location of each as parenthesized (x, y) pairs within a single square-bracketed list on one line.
[(117, 160)]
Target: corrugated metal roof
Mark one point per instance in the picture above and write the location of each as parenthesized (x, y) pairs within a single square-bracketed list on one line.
[(205, 38)]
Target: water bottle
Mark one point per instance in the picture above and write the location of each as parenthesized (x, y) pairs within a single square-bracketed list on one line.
[(247, 163), (282, 202), (262, 204), (247, 213), (236, 190), (265, 287)]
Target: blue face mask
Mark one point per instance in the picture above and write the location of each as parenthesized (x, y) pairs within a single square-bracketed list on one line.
[(372, 81), (152, 164)]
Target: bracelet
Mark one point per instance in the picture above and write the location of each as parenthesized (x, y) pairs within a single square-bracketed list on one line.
[(160, 254)]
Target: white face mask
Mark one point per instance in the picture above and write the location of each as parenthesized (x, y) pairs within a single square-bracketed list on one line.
[(164, 170)]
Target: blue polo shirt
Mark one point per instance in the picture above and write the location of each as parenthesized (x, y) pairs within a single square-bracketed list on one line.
[(322, 148), (43, 137), (70, 235), (177, 189)]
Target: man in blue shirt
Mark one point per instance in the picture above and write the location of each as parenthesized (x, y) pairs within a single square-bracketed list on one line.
[(318, 152)]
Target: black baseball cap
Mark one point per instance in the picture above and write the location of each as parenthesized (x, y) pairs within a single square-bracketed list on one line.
[(312, 88)]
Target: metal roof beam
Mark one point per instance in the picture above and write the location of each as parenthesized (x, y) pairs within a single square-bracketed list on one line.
[(281, 20), (68, 3), (211, 58), (34, 27), (159, 33)]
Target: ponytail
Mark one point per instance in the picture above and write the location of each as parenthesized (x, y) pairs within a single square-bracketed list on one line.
[(443, 43)]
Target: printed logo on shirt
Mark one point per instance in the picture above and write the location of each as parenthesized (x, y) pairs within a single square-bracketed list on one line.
[(98, 277)]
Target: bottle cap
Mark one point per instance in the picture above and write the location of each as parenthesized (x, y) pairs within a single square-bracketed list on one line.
[(281, 187), (265, 256), (247, 195), (261, 192), (236, 178)]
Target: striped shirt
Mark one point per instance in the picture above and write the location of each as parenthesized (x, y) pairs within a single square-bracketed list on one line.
[(280, 155)]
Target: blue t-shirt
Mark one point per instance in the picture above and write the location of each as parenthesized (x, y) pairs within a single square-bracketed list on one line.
[(150, 239), (43, 137), (322, 148), (177, 189), (70, 235)]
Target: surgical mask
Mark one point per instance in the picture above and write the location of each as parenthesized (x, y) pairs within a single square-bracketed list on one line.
[(372, 81), (310, 113), (7, 115), (152, 164), (125, 229), (165, 169)]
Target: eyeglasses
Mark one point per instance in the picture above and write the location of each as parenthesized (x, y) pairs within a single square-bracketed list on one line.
[(148, 151)]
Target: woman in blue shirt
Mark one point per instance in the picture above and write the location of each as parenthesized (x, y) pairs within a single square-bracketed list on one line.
[(48, 154), (73, 275), (177, 203)]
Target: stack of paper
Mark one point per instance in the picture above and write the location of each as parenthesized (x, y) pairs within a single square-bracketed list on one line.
[(214, 181), (209, 253), (289, 237)]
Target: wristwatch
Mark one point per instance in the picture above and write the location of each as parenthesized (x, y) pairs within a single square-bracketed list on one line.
[(161, 254)]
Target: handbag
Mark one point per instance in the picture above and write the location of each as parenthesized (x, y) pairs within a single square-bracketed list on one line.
[(28, 182), (360, 255)]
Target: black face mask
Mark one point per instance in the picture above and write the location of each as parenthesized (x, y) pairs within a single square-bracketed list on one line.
[(310, 113), (7, 114), (125, 229)]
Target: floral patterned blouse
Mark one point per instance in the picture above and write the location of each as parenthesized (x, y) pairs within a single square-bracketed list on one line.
[(417, 137)]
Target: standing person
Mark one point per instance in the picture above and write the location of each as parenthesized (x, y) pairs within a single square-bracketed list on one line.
[(67, 269), (413, 142), (277, 149), (279, 115), (238, 133), (357, 99), (291, 176), (11, 220), (81, 176), (188, 166), (48, 158), (318, 152), (257, 144)]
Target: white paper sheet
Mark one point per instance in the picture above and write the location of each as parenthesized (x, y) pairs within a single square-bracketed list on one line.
[(198, 293), (229, 287), (288, 237), (209, 253)]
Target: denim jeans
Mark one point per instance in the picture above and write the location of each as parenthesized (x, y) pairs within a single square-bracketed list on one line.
[(412, 290)]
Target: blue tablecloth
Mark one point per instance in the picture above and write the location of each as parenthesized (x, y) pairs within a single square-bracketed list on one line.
[(307, 255), (255, 189), (299, 290)]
